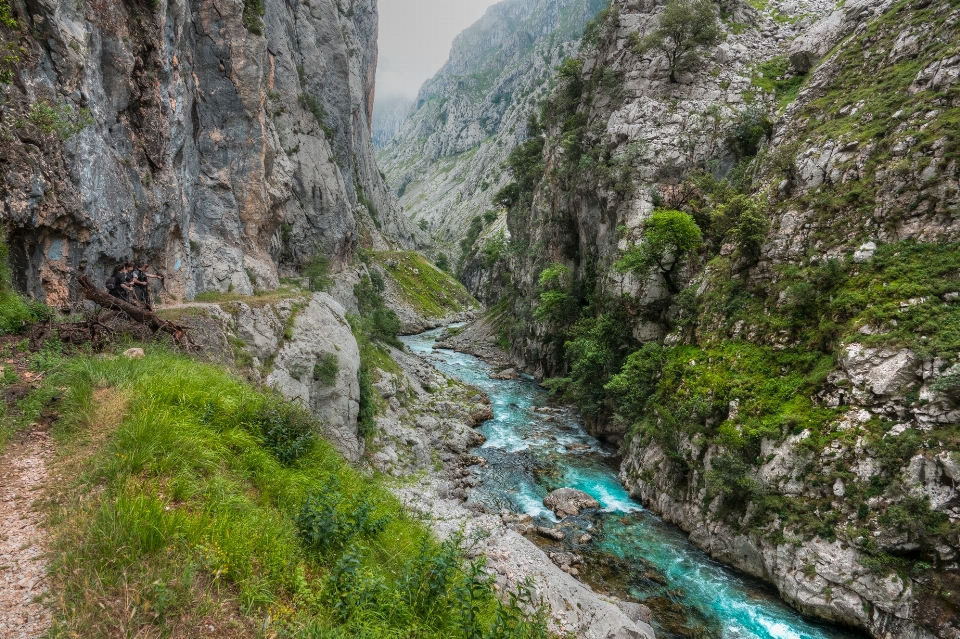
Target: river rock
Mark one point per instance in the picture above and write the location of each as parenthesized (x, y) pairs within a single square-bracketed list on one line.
[(636, 611), (480, 414), (566, 502), (550, 533), (510, 373)]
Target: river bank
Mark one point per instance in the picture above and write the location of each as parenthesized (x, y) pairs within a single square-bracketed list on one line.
[(532, 448)]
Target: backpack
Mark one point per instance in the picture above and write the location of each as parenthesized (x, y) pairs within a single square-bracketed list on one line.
[(111, 283)]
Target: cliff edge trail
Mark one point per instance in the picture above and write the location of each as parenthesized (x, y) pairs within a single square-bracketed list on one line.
[(23, 566)]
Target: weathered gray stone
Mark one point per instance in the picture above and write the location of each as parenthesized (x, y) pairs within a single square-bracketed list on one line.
[(201, 146), (321, 328), (565, 502)]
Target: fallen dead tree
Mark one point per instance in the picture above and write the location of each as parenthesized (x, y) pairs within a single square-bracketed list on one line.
[(136, 313)]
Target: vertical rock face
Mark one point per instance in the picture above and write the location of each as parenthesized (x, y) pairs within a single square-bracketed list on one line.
[(221, 146), (446, 163)]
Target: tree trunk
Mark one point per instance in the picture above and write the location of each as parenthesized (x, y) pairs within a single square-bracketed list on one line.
[(136, 313)]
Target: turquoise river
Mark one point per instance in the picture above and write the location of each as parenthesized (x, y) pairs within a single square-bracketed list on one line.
[(533, 448)]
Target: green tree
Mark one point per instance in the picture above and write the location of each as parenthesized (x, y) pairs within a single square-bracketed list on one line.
[(684, 28), (317, 271), (555, 300), (750, 232), (668, 238)]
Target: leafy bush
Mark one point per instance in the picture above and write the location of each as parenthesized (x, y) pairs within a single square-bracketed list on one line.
[(60, 119), (326, 369), (556, 303), (731, 476), (330, 519), (443, 262), (288, 431), (948, 386), (914, 516), (253, 10), (378, 322), (751, 127), (636, 382), (596, 349)]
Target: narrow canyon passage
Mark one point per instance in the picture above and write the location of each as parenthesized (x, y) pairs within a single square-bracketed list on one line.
[(533, 448)]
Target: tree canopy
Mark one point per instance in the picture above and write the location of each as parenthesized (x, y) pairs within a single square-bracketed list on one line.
[(684, 28), (668, 237)]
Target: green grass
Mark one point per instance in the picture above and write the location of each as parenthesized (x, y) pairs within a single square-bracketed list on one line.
[(430, 291), (176, 512), (16, 312), (898, 294), (770, 77)]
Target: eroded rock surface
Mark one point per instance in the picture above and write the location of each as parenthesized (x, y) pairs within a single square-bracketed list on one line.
[(220, 154), (569, 502)]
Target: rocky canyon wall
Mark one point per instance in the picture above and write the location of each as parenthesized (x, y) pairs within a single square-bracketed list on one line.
[(226, 142)]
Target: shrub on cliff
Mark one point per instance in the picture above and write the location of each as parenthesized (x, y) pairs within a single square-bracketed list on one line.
[(684, 29), (15, 311), (668, 238)]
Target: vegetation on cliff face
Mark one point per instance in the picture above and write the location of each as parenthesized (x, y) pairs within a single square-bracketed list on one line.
[(426, 288)]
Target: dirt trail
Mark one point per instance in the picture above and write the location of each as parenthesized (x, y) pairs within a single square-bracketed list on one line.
[(23, 564)]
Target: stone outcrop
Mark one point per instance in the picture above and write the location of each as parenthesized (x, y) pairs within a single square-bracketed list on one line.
[(302, 347), (222, 146), (569, 502), (319, 333)]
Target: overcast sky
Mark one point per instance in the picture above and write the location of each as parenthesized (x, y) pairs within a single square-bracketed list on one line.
[(415, 38)]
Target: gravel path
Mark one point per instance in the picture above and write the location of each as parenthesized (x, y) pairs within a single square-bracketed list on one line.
[(23, 564)]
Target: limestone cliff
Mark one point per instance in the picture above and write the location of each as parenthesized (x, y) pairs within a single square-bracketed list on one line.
[(446, 163), (223, 141), (786, 389), (389, 114)]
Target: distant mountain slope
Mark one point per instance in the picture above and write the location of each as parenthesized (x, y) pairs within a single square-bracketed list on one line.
[(446, 162), (389, 114)]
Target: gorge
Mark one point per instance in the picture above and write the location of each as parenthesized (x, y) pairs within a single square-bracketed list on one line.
[(698, 259)]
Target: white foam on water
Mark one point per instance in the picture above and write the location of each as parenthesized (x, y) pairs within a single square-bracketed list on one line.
[(779, 629), (533, 506)]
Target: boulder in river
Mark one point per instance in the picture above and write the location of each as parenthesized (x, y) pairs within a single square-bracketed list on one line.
[(550, 533), (510, 373), (566, 502)]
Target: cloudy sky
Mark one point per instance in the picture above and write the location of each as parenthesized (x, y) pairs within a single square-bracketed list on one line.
[(415, 38)]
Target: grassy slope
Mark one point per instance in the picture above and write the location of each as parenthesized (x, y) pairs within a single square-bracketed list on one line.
[(430, 291), (175, 513)]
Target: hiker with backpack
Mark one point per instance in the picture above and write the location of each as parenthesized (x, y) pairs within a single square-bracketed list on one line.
[(119, 284), (141, 282)]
